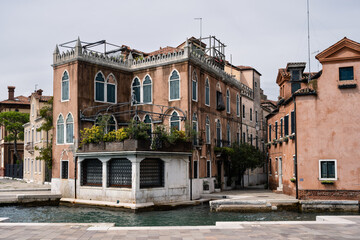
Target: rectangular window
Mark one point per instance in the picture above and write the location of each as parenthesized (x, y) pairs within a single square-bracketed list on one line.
[(346, 73), (195, 169), (270, 171), (256, 116), (243, 111), (238, 137), (281, 127), (194, 90), (251, 139), (174, 90), (295, 75), (276, 130), (208, 168), (292, 122), (250, 114), (244, 140), (327, 170), (286, 125), (69, 133), (208, 134), (64, 169)]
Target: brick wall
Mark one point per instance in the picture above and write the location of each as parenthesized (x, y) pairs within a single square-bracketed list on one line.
[(329, 194)]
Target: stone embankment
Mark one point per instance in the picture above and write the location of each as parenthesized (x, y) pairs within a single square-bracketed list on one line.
[(267, 201)]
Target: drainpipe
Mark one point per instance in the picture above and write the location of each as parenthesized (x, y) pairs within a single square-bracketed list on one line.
[(295, 160)]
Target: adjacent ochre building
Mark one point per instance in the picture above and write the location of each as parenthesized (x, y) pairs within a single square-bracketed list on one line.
[(35, 170), (312, 142)]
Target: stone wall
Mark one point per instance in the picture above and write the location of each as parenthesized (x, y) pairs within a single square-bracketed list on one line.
[(329, 194)]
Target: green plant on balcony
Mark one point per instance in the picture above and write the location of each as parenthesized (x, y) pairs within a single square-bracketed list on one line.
[(293, 179), (274, 141), (327, 182), (285, 139)]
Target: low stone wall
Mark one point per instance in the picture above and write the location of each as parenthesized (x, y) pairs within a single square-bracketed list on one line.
[(329, 194)]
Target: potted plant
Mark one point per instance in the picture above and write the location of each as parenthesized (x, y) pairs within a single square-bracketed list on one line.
[(293, 179)]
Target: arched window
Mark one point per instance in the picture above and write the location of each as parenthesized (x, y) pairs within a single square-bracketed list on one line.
[(65, 87), (237, 105), (107, 121), (135, 91), (218, 133), (136, 118), (147, 120), (60, 130), (147, 90), (228, 133), (99, 87), (111, 89), (194, 87), (207, 92), (207, 130), (195, 128), (227, 101), (174, 85), (69, 129), (175, 121)]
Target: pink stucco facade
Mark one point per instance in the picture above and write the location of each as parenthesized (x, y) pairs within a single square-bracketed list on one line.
[(327, 129)]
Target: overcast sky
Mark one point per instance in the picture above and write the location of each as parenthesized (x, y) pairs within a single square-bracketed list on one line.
[(263, 34)]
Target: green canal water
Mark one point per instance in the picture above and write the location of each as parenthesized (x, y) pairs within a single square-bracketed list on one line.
[(189, 216)]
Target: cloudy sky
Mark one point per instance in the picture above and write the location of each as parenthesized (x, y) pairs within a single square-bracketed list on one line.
[(261, 33)]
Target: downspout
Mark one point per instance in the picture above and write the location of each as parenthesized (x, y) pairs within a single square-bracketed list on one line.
[(189, 101), (295, 160)]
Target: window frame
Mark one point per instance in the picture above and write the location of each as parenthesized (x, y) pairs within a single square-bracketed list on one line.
[(68, 80), (208, 168), (170, 121), (194, 80), (106, 88), (207, 130), (251, 115), (228, 101), (353, 75), (95, 100), (61, 169), (169, 81), (57, 130), (142, 90), (237, 105), (65, 129), (207, 90), (328, 160)]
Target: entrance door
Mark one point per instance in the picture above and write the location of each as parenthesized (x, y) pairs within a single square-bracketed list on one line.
[(280, 174)]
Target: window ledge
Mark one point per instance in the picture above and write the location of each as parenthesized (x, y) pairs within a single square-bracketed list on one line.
[(347, 84)]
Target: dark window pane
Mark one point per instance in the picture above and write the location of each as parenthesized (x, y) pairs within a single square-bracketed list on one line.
[(219, 101), (195, 169), (295, 87), (147, 93), (64, 169), (99, 92), (91, 172), (295, 75), (346, 73), (292, 122), (208, 166), (286, 125), (111, 93)]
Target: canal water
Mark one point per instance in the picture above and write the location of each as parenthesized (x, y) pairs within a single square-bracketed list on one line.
[(189, 216)]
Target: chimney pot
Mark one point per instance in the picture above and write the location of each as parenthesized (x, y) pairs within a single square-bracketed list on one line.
[(39, 92)]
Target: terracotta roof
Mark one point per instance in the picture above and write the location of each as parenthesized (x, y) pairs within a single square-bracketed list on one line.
[(17, 100)]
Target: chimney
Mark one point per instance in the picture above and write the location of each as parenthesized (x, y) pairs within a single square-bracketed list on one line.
[(11, 92), (39, 92)]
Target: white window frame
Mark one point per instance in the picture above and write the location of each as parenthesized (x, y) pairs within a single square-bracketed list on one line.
[(207, 81), (174, 121), (95, 87), (228, 99), (61, 86), (175, 99), (142, 90), (73, 126), (194, 79), (105, 88), (207, 125), (328, 160)]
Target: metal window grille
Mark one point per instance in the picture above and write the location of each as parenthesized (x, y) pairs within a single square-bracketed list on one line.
[(64, 169), (151, 173), (119, 173), (91, 172)]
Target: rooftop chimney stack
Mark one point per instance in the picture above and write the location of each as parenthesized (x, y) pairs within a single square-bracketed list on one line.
[(11, 92), (39, 92)]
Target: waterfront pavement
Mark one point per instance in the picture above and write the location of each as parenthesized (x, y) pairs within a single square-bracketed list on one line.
[(330, 227), (14, 191)]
